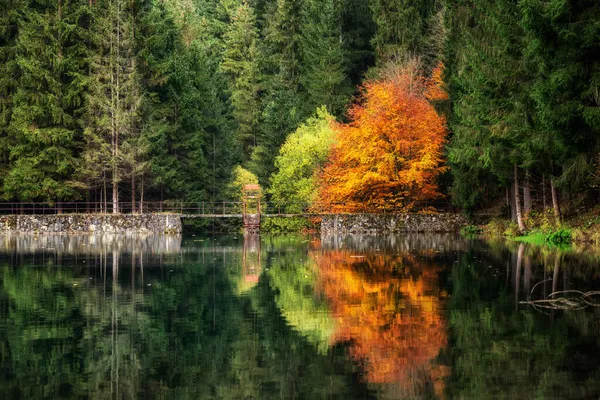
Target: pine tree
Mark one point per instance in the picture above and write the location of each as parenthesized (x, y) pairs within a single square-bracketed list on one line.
[(184, 111), (561, 52), (358, 29), (282, 103), (114, 96), (323, 79), (9, 18), (240, 64), (404, 28), (48, 102)]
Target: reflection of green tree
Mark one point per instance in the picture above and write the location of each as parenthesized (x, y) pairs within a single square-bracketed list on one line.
[(64, 338), (293, 277), (502, 353)]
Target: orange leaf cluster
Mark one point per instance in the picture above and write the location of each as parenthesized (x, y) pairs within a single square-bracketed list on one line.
[(391, 152), (394, 322)]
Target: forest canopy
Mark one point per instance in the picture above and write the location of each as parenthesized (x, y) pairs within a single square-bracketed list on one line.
[(124, 101)]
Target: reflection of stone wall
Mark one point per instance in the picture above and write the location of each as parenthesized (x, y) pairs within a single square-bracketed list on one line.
[(374, 224), (92, 223), (90, 244), (439, 242)]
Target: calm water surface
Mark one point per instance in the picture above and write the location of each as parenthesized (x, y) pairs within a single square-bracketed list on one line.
[(295, 317)]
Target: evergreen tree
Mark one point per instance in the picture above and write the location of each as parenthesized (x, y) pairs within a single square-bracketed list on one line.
[(240, 64), (323, 78), (562, 50), (358, 29), (492, 114), (48, 103), (9, 18), (404, 29), (282, 103), (185, 120), (114, 95)]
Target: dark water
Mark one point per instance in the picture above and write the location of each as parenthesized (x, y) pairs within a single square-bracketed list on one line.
[(295, 317)]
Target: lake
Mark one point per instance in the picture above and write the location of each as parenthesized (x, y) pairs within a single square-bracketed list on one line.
[(296, 317)]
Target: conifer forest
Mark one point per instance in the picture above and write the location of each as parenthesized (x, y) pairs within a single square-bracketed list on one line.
[(338, 105)]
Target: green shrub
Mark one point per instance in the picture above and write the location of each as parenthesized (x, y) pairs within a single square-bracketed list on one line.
[(470, 230), (563, 235), (512, 230), (496, 227)]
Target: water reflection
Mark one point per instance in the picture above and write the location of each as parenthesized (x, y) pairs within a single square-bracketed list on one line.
[(420, 316), (90, 244)]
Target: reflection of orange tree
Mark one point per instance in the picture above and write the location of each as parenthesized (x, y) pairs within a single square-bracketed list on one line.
[(393, 322)]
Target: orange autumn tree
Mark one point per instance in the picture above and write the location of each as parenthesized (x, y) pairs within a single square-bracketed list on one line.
[(390, 154)]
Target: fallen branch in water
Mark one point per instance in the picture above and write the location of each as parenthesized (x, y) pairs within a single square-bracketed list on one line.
[(576, 300)]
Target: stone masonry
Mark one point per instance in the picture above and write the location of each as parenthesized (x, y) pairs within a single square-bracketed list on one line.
[(91, 223)]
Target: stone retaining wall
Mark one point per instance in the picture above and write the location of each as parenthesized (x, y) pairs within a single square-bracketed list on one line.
[(377, 224), (91, 223)]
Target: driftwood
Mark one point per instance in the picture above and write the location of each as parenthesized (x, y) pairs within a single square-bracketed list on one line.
[(565, 300)]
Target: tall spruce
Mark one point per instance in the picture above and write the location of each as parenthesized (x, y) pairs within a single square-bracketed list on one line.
[(113, 97), (282, 101), (9, 28), (48, 102), (240, 64), (562, 51), (404, 28), (324, 79), (492, 114)]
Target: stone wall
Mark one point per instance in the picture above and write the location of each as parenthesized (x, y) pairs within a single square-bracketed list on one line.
[(377, 224), (91, 223)]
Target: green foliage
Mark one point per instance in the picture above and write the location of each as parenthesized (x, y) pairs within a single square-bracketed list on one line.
[(47, 103), (496, 227), (293, 186), (241, 177), (323, 78), (471, 230), (406, 28), (561, 236), (240, 64), (512, 230)]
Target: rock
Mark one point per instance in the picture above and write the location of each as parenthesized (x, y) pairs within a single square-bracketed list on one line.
[(92, 223), (378, 224)]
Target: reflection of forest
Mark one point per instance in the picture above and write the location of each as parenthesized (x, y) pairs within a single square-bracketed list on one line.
[(174, 327), (503, 348), (284, 317), (387, 306)]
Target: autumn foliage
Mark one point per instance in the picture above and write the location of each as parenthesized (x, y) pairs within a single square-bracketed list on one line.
[(393, 322), (390, 154)]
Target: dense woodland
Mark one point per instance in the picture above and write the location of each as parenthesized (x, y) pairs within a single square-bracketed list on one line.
[(329, 103)]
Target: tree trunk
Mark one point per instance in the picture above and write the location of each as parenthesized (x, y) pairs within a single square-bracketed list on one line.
[(555, 201), (513, 207), (544, 193), (115, 194), (141, 208), (132, 192), (527, 193), (518, 201), (105, 201)]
